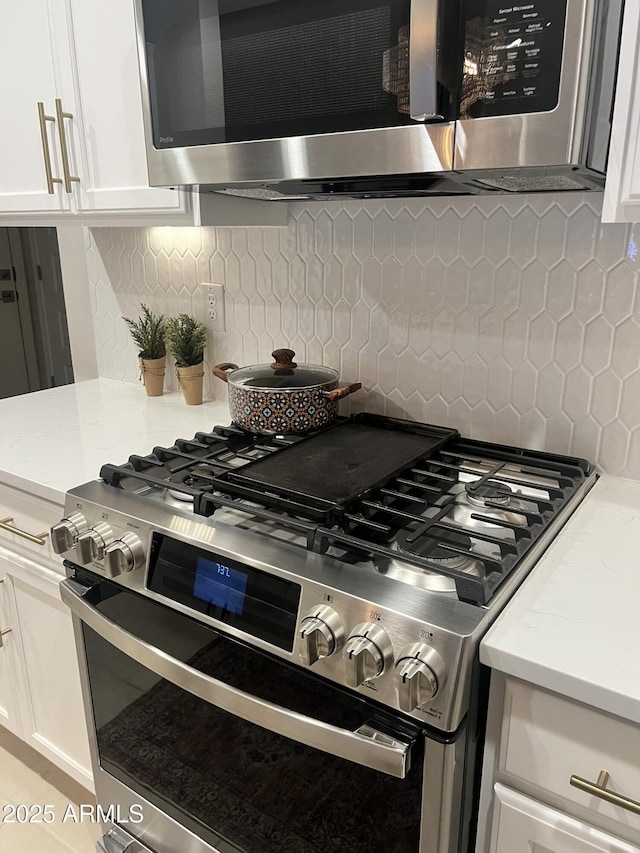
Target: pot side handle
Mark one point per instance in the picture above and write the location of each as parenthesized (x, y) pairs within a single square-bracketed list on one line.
[(339, 393), (220, 370)]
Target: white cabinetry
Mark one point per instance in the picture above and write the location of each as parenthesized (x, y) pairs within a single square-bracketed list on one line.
[(79, 60), (27, 76), (40, 694), (46, 58), (622, 189), (537, 744), (108, 135), (524, 825), (8, 690)]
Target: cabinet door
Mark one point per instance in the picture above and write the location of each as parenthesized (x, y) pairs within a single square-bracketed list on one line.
[(8, 717), (27, 76), (622, 189), (109, 104), (50, 697), (523, 825)]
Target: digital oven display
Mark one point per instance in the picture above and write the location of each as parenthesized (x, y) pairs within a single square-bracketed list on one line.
[(241, 596), (219, 585)]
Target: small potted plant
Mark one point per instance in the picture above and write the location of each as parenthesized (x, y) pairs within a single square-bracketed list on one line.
[(148, 332), (186, 340)]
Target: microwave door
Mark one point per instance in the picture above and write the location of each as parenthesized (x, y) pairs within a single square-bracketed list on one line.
[(240, 91), (237, 71)]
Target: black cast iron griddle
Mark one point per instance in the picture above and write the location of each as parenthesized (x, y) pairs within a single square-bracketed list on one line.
[(320, 476)]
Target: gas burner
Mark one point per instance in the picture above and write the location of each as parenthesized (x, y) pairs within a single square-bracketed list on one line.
[(433, 551), (180, 496), (498, 505), (488, 493)]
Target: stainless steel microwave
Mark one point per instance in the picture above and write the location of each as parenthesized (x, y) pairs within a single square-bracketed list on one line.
[(368, 98)]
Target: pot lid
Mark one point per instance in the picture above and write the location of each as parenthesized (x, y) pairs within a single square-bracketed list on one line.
[(283, 373)]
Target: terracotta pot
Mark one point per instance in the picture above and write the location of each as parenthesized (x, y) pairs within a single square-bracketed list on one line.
[(283, 397), (191, 379), (152, 372)]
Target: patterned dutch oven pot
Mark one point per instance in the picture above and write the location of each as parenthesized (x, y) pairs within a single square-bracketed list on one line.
[(283, 397)]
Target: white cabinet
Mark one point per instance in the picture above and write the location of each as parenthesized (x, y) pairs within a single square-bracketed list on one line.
[(46, 59), (622, 189), (523, 825), (108, 136), (40, 695), (27, 76), (79, 60), (8, 689), (538, 746), (52, 714)]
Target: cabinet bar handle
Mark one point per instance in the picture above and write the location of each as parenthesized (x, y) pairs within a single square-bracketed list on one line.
[(599, 789), (2, 633), (45, 148), (38, 539), (68, 177)]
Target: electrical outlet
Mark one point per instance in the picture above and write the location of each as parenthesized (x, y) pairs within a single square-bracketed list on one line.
[(213, 307)]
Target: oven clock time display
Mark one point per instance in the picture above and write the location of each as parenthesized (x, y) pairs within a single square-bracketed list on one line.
[(220, 585)]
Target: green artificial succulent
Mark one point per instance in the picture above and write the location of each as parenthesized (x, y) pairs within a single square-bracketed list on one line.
[(186, 340), (148, 332)]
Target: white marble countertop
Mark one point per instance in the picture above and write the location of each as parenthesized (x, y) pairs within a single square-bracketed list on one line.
[(51, 441), (572, 625)]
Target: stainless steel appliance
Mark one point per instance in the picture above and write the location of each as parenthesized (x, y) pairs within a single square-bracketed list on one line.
[(281, 99), (278, 635)]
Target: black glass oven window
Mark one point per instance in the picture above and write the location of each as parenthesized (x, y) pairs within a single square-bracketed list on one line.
[(513, 57), (261, 604), (228, 780), (233, 70)]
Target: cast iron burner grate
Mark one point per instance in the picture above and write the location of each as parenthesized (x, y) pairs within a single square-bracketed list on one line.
[(190, 466), (406, 516)]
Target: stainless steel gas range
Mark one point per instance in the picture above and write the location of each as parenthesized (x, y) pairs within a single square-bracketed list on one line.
[(278, 635)]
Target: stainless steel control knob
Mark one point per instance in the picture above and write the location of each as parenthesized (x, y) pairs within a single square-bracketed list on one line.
[(367, 653), (123, 555), (420, 675), (65, 532), (321, 633), (91, 544)]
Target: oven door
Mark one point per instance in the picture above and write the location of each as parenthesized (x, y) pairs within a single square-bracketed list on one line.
[(237, 91), (224, 748)]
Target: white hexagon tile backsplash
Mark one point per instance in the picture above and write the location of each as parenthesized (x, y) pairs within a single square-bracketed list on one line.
[(514, 319)]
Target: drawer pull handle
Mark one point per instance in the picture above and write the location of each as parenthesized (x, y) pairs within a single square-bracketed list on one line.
[(599, 789), (38, 539)]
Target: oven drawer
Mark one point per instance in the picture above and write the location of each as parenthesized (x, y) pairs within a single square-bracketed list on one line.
[(548, 741), (23, 518)]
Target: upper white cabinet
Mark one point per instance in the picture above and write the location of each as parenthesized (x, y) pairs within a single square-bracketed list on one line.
[(622, 189), (27, 77), (108, 136), (79, 61), (84, 157)]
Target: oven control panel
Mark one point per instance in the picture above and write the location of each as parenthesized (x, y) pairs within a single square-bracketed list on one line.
[(108, 545), (368, 658)]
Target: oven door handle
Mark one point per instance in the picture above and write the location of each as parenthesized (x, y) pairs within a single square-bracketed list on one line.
[(366, 746)]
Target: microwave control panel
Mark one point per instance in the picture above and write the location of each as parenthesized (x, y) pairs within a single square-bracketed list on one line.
[(512, 57)]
